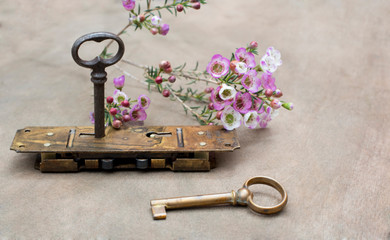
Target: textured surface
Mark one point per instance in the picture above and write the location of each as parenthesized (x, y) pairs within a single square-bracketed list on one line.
[(332, 153)]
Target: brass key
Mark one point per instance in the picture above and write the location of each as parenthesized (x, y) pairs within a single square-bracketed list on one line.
[(243, 197)]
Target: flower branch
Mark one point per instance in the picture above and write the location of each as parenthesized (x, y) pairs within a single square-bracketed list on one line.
[(186, 107), (244, 91)]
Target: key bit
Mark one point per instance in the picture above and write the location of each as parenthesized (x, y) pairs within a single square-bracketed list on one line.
[(243, 197)]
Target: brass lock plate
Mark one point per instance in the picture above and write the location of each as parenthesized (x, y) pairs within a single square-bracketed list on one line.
[(179, 148)]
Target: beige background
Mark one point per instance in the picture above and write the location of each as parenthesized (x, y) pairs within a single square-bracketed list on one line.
[(331, 153)]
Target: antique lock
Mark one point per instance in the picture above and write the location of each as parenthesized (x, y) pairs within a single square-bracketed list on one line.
[(71, 149)]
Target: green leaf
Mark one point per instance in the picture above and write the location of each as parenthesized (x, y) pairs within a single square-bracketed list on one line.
[(159, 88), (182, 67), (196, 67), (149, 80), (169, 10), (261, 105), (104, 52), (208, 119), (176, 68), (203, 110)]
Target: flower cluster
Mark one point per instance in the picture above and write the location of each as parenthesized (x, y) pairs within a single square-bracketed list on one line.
[(152, 22), (119, 107), (247, 93)]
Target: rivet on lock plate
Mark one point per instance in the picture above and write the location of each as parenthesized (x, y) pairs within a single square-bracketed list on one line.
[(76, 148)]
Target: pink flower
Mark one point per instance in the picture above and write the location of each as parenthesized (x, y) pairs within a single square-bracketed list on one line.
[(267, 64), (164, 29), (119, 97), (128, 4), (265, 117), (241, 68), (253, 45), (247, 57), (218, 66), (276, 104), (217, 101), (275, 54), (137, 113), (92, 117), (243, 102), (125, 112), (227, 92), (119, 82), (268, 81), (271, 60), (116, 124), (143, 101), (154, 31), (251, 119), (231, 119), (251, 82), (156, 21)]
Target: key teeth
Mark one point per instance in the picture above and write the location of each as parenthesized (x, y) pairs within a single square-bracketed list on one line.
[(159, 212)]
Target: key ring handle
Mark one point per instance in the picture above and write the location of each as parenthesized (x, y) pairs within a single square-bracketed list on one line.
[(97, 62), (272, 183)]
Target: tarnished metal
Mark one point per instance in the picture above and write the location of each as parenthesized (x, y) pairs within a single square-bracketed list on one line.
[(98, 75), (157, 163), (179, 133), (243, 197), (91, 163), (107, 164), (76, 144), (142, 163)]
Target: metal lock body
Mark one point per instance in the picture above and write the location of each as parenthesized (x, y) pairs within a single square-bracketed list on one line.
[(72, 149)]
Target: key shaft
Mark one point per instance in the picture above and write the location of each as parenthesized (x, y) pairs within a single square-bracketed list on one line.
[(159, 206)]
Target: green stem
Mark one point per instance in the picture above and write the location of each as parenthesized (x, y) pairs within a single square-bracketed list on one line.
[(120, 33)]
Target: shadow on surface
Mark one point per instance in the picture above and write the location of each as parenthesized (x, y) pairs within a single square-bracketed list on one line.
[(23, 163)]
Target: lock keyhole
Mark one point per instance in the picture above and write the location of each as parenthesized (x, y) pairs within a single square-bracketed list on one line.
[(158, 134)]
